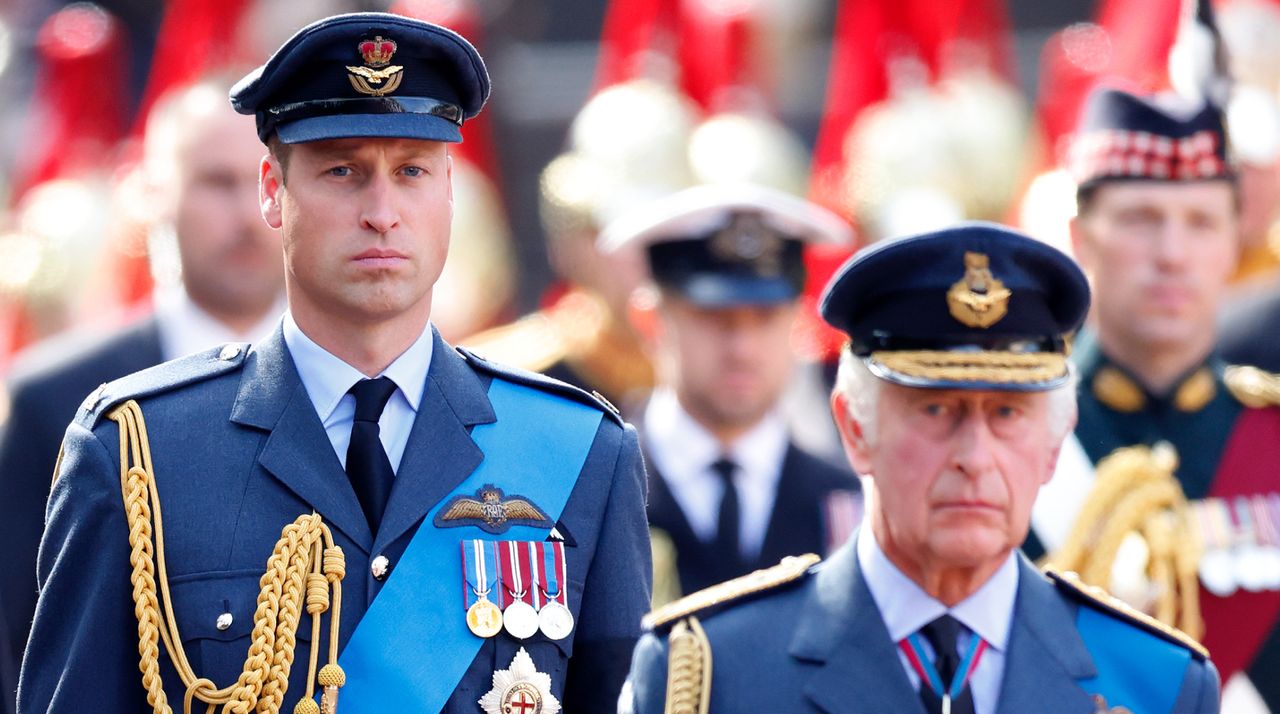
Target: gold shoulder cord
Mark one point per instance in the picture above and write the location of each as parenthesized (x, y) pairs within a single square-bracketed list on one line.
[(688, 669), (305, 560), (1136, 493)]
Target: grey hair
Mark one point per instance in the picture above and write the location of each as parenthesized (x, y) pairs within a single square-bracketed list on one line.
[(862, 390)]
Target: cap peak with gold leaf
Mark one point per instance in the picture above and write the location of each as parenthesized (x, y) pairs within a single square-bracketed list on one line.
[(974, 306)]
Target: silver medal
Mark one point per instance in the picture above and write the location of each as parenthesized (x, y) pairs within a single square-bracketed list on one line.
[(555, 621), (520, 620)]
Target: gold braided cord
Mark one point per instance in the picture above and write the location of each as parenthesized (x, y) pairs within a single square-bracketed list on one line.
[(304, 568), (1137, 496), (959, 366), (688, 669)]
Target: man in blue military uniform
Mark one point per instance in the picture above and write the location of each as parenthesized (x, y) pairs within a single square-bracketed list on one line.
[(1157, 232), (729, 490), (485, 549), (953, 399)]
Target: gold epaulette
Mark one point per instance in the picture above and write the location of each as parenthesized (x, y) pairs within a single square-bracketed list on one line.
[(532, 343), (791, 568), (1253, 387), (1101, 599)]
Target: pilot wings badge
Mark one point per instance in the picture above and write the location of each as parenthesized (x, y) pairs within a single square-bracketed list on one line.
[(369, 79), (978, 299), (492, 511)]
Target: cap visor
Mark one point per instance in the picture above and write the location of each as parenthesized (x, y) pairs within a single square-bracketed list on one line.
[(352, 126), (990, 371), (722, 291)]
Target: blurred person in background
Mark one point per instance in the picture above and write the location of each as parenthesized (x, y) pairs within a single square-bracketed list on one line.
[(729, 490), (226, 285), (1158, 232)]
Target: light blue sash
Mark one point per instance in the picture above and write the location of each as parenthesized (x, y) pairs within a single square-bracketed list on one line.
[(412, 646), (1136, 669)]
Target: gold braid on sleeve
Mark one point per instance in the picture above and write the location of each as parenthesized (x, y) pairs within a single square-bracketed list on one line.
[(1138, 508), (688, 668), (304, 571)]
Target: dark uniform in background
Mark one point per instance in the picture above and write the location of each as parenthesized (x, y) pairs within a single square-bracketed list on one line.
[(727, 261), (47, 385), (1159, 205), (238, 451), (974, 310)]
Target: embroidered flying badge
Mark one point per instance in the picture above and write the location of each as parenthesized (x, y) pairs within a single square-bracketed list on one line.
[(491, 511)]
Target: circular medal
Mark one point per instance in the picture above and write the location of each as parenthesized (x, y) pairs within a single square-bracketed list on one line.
[(555, 621), (1216, 572), (520, 619), (1248, 571), (484, 619)]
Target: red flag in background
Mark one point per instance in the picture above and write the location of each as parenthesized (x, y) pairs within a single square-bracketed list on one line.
[(875, 42), (195, 37), (78, 111)]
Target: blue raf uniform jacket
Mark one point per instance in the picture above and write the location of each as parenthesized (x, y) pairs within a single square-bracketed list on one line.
[(818, 644), (239, 452)]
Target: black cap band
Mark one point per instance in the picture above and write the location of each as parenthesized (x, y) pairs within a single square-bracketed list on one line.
[(363, 105)]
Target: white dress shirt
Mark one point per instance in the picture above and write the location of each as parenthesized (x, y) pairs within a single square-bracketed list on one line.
[(683, 450), (906, 608), (327, 379), (185, 328)]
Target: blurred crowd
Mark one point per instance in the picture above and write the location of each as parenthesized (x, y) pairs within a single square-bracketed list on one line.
[(130, 229)]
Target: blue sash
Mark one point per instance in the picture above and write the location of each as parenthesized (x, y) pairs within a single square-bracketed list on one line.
[(1136, 669), (412, 646)]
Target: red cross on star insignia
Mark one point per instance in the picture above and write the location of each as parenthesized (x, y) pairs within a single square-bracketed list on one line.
[(520, 689)]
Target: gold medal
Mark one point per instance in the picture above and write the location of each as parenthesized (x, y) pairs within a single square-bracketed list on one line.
[(555, 621), (484, 619)]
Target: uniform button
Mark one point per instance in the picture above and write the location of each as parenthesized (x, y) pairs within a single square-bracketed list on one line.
[(229, 352), (379, 567), (224, 621)]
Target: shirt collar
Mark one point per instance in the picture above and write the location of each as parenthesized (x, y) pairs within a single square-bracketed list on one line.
[(684, 447), (906, 607), (186, 328), (327, 378)]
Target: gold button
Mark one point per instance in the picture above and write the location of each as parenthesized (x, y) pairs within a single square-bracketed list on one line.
[(379, 567), (224, 621), (229, 352)]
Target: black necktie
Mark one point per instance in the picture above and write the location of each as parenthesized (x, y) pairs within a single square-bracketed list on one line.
[(726, 545), (942, 633), (367, 464)]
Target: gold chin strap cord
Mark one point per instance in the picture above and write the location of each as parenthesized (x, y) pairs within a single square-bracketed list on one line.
[(304, 569), (1137, 495)]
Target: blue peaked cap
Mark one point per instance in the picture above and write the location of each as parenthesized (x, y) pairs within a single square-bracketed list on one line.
[(366, 75), (975, 306)]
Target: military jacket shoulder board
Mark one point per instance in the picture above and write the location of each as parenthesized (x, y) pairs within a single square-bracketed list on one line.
[(1097, 598), (542, 382), (1253, 387), (790, 570), (162, 378)]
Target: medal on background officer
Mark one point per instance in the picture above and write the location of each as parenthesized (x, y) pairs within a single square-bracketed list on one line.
[(1157, 232), (729, 491), (952, 399), (438, 533)]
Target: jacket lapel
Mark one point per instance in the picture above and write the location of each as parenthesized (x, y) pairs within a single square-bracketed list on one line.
[(1046, 655), (297, 451), (841, 629), (440, 453)]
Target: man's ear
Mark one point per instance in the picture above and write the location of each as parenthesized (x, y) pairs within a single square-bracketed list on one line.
[(270, 186), (1081, 247), (852, 436)]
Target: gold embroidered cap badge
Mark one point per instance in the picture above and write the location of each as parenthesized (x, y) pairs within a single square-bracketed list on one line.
[(978, 299), (369, 79)]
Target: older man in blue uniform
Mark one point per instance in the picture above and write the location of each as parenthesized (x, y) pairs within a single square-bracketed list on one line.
[(456, 536), (953, 399)]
